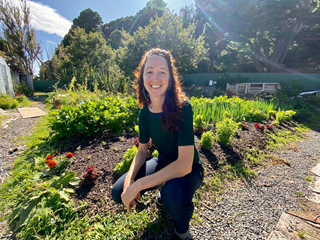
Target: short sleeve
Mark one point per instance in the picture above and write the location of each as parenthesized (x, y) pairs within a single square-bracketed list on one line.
[(143, 129), (186, 134)]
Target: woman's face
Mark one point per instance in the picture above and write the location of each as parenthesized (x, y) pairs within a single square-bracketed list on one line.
[(156, 76)]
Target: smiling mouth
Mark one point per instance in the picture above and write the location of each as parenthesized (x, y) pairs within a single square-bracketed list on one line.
[(155, 86)]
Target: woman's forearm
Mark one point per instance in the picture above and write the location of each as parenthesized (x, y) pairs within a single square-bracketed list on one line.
[(136, 164)]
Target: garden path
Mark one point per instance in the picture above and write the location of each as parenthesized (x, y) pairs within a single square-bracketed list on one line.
[(13, 127), (251, 210)]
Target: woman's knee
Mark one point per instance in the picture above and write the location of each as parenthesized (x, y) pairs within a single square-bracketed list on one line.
[(116, 194)]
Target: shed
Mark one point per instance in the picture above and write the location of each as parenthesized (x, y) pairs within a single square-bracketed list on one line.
[(6, 86)]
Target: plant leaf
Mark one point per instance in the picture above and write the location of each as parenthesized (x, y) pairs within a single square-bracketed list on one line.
[(75, 181), (63, 195), (64, 180)]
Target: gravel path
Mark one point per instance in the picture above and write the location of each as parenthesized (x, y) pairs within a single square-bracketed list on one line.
[(16, 126), (252, 210)]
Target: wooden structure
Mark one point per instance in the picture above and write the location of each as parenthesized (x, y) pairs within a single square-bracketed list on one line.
[(252, 88)]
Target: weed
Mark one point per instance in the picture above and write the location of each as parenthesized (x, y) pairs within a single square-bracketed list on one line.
[(300, 193), (301, 234), (308, 178)]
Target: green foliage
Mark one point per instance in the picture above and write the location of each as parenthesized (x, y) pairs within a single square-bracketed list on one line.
[(225, 131), (165, 32), (281, 116), (206, 140), (89, 117), (136, 128), (270, 114), (155, 153), (7, 102), (21, 46), (254, 116), (128, 157), (23, 88), (287, 91), (199, 121)]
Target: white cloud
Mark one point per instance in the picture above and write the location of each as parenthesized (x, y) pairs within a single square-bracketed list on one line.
[(47, 19)]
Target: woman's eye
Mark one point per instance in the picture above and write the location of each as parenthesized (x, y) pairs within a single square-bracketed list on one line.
[(149, 72), (163, 73)]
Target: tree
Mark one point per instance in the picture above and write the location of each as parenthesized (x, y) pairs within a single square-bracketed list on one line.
[(88, 19), (166, 32), (21, 46), (141, 19), (265, 28)]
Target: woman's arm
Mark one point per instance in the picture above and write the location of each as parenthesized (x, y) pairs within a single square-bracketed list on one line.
[(179, 168)]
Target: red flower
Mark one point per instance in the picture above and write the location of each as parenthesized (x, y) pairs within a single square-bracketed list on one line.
[(52, 163), (261, 128), (257, 125), (69, 155), (49, 158), (269, 126), (58, 107)]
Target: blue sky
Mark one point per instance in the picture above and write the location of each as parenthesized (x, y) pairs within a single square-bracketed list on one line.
[(52, 19)]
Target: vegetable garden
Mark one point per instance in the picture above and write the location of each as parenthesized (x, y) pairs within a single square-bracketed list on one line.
[(61, 184)]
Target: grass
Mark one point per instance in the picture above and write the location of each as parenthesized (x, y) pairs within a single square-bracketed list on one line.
[(281, 139), (308, 178)]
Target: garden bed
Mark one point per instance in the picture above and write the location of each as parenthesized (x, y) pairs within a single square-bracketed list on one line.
[(105, 152)]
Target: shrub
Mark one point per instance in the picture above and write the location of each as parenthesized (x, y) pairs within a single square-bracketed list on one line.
[(281, 116), (7, 102), (226, 130), (23, 88), (124, 166), (254, 116), (89, 117), (289, 115), (206, 140)]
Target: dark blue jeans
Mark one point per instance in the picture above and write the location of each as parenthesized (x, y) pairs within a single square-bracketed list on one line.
[(176, 194)]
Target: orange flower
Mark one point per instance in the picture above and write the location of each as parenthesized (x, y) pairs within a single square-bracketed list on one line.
[(49, 158), (52, 163), (69, 155)]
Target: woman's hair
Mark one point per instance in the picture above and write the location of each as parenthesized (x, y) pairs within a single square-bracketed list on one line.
[(175, 98)]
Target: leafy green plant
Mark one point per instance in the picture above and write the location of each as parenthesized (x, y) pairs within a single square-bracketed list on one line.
[(281, 116), (56, 188), (271, 114), (199, 122), (7, 102), (124, 166), (89, 117), (225, 131), (206, 140), (155, 153), (289, 114), (136, 128), (254, 116), (23, 88)]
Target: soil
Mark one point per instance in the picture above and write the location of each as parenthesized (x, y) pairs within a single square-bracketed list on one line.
[(104, 152)]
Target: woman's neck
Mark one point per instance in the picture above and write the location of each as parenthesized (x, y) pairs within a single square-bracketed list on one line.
[(156, 104)]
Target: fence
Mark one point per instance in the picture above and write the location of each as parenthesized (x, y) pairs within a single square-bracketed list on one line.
[(44, 85), (311, 81)]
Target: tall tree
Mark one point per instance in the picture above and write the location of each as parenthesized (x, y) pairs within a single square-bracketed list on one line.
[(166, 32), (265, 28), (21, 46), (88, 19), (141, 19)]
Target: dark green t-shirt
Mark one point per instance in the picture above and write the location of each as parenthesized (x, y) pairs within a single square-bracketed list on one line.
[(167, 143)]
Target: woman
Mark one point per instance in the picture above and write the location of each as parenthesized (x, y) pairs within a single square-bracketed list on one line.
[(166, 118)]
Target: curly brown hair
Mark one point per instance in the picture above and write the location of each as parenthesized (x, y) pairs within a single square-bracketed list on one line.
[(175, 98)]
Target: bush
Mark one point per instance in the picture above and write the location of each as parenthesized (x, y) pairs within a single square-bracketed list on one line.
[(124, 166), (289, 114), (254, 116), (89, 117), (7, 102), (286, 91), (206, 140), (226, 130), (281, 116), (22, 88)]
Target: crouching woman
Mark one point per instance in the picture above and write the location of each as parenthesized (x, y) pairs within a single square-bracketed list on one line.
[(166, 118)]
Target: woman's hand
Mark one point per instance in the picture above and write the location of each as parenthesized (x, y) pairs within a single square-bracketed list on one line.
[(130, 195)]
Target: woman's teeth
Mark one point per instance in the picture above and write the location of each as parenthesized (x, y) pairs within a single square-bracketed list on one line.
[(155, 86)]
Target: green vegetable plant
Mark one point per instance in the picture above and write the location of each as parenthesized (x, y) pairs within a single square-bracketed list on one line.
[(225, 131), (56, 192), (124, 166), (281, 116), (206, 141)]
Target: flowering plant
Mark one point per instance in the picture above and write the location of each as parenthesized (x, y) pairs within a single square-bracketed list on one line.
[(69, 155), (90, 174)]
